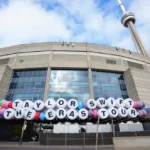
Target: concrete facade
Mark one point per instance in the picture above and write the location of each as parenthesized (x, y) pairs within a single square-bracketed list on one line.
[(5, 77), (134, 143), (138, 84), (136, 67)]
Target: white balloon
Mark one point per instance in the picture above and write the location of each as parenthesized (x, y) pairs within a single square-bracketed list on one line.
[(72, 114), (17, 104), (120, 102), (19, 113), (38, 105), (50, 114), (101, 102), (30, 114), (111, 102), (132, 113), (72, 103), (83, 114), (28, 104), (102, 113), (122, 112), (61, 113), (61, 103), (91, 104), (129, 103), (50, 103), (9, 114), (113, 112)]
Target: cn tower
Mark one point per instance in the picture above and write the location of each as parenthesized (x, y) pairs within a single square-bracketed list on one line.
[(128, 20)]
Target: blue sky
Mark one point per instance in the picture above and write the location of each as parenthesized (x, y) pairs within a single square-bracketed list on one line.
[(93, 21)]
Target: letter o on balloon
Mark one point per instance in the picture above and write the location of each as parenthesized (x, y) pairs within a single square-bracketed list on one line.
[(61, 103)]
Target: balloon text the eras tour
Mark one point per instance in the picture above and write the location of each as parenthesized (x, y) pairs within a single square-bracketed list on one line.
[(72, 109)]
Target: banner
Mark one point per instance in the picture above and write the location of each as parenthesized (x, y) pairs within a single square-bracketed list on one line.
[(72, 109)]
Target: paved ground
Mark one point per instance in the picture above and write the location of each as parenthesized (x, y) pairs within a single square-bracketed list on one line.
[(52, 148)]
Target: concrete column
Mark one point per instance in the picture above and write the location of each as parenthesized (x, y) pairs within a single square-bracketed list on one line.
[(48, 77), (15, 60), (91, 90), (47, 84), (121, 60), (130, 84), (138, 84), (5, 79), (147, 66)]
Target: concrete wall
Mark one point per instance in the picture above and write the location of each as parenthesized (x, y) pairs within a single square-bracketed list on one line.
[(130, 85), (138, 84), (142, 84), (132, 143), (66, 128), (5, 77), (22, 55), (92, 128), (82, 56), (130, 127)]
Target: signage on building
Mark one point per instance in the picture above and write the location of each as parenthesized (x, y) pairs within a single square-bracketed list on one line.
[(72, 109)]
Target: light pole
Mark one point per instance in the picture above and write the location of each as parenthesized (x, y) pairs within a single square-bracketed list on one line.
[(128, 20), (22, 133), (96, 144)]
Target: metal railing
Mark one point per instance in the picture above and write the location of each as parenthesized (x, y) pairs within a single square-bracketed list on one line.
[(84, 139)]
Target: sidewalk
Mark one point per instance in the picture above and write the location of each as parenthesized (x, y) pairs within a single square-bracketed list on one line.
[(36, 145)]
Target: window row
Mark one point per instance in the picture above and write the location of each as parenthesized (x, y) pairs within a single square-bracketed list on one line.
[(30, 73), (30, 84), (32, 97), (28, 79), (27, 85)]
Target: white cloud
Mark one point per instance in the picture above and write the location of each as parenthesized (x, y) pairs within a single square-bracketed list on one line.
[(26, 21), (23, 21)]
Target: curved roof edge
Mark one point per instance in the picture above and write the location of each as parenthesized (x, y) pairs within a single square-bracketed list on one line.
[(41, 43), (77, 46)]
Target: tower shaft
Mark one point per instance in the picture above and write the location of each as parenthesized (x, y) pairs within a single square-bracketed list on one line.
[(137, 40), (128, 20)]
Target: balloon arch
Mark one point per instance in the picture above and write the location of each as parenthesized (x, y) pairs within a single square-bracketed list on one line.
[(72, 109)]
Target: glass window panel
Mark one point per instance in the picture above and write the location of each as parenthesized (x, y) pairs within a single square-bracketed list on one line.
[(24, 73), (27, 84), (19, 74), (34, 73), (69, 84), (108, 84), (44, 73)]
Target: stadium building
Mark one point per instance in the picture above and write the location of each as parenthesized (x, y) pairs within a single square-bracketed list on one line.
[(71, 70), (78, 71)]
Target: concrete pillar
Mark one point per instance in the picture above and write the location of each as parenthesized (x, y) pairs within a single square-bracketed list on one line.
[(130, 84), (147, 66), (138, 84), (91, 90), (5, 79), (48, 77), (121, 60), (47, 84)]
